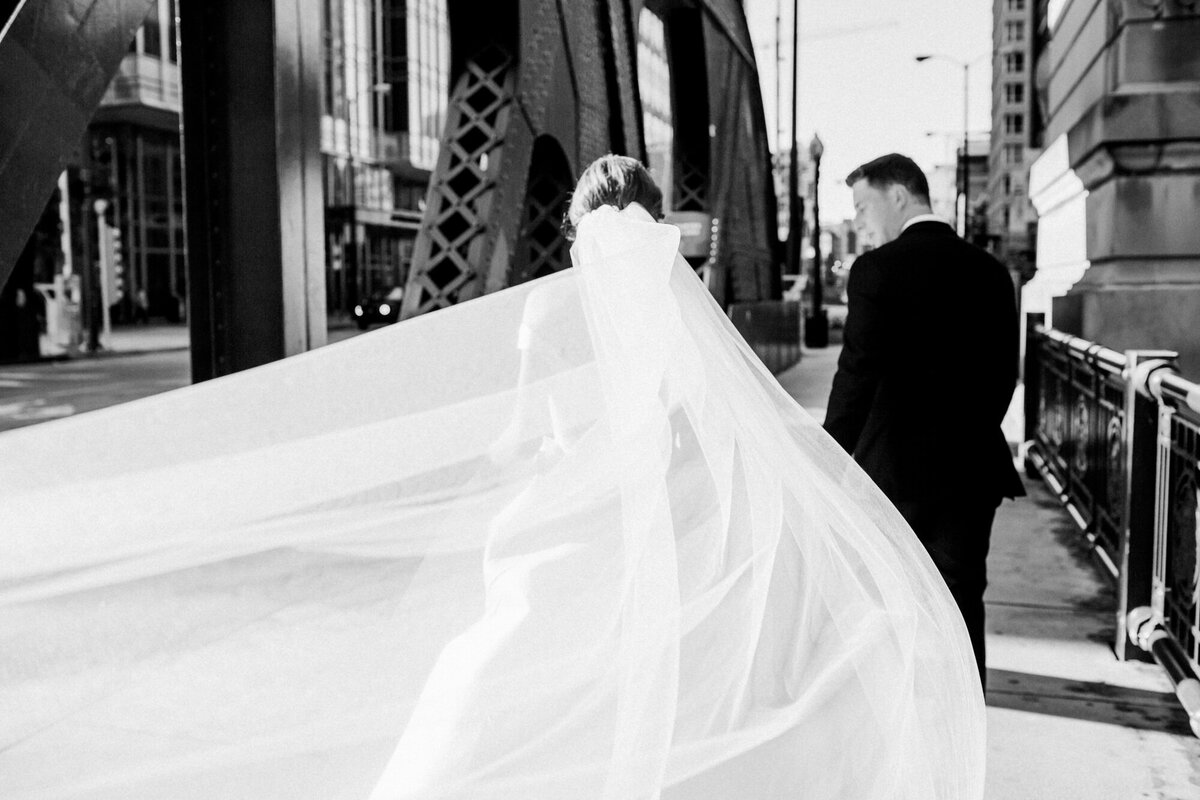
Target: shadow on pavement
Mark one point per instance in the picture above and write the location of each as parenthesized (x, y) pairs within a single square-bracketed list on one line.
[(1091, 702)]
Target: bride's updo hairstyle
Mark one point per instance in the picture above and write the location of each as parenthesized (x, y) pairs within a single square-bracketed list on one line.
[(612, 180)]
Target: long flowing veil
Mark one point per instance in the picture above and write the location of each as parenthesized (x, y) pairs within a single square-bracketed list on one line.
[(569, 540)]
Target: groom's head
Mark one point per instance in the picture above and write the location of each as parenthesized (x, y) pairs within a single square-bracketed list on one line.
[(888, 192)]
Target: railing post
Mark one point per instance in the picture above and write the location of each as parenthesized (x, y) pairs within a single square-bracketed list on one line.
[(1136, 554), (1032, 382)]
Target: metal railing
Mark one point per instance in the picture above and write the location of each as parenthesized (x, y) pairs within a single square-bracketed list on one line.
[(1117, 437), (772, 329)]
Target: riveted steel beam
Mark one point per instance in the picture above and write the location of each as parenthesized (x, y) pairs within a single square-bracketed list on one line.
[(251, 107), (56, 59)]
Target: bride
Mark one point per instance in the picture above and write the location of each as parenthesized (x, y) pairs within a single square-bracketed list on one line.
[(569, 540)]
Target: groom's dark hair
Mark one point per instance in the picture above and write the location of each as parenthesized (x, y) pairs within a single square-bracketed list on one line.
[(893, 168), (612, 180)]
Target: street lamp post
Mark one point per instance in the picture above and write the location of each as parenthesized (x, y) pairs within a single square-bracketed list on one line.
[(816, 331)]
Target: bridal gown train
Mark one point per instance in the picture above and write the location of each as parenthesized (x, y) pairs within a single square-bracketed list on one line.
[(569, 540)]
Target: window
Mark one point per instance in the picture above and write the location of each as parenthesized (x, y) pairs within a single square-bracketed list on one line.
[(1007, 218), (1014, 153), (152, 33), (1014, 93), (1014, 62), (1014, 31), (1016, 5), (172, 54), (1007, 185), (1014, 123)]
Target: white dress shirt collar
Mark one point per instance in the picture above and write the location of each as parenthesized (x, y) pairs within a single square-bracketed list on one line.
[(922, 218)]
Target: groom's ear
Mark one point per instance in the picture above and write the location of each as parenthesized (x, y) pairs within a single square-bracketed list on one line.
[(898, 195)]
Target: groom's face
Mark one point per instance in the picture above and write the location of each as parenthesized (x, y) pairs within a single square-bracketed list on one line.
[(877, 216)]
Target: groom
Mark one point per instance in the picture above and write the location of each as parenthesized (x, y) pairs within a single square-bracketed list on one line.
[(926, 373)]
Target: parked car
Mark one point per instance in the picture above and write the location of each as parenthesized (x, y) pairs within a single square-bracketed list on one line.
[(381, 307)]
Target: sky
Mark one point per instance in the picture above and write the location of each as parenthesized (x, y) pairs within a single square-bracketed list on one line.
[(861, 88)]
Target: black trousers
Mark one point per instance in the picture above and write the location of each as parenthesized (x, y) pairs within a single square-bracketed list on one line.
[(957, 533)]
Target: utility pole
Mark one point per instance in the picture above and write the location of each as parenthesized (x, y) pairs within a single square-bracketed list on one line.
[(795, 203), (778, 72)]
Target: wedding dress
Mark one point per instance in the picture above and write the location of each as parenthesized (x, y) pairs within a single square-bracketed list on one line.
[(569, 540)]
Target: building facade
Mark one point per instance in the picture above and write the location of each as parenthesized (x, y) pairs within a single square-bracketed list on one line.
[(1011, 216), (1116, 187), (654, 87), (387, 65), (975, 174), (946, 190), (131, 162)]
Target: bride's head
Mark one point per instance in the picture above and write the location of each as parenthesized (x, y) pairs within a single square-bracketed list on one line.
[(612, 181)]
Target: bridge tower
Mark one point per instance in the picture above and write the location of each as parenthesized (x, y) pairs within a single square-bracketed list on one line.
[(538, 89)]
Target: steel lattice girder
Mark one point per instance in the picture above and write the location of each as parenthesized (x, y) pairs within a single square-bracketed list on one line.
[(57, 57), (566, 72), (522, 70)]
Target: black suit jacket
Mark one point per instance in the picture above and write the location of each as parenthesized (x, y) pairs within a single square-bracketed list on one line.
[(928, 367)]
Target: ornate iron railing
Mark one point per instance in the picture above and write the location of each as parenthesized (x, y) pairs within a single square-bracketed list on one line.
[(1176, 587), (772, 328), (1080, 435), (1117, 437)]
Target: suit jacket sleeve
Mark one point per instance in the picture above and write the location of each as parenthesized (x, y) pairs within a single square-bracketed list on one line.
[(1008, 346), (860, 364)]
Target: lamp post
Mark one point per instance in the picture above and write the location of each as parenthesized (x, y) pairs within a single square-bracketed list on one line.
[(816, 330), (966, 162)]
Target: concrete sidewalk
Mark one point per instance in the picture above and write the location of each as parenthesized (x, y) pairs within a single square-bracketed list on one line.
[(1065, 718), (126, 340)]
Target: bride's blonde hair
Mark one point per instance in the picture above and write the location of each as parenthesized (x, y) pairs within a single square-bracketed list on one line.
[(612, 180)]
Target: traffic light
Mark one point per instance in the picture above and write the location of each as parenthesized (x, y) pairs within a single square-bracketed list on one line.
[(111, 261), (116, 275)]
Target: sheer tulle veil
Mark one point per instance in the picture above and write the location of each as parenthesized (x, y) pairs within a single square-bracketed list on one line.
[(569, 540)]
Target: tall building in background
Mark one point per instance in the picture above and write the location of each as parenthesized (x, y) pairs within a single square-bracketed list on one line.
[(383, 108), (946, 190), (975, 164), (944, 184), (387, 65), (131, 163), (1011, 216), (110, 244), (1118, 110), (654, 85)]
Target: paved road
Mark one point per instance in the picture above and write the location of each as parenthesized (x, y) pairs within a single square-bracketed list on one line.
[(32, 393)]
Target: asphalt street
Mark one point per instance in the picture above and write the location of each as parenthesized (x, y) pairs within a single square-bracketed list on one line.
[(31, 393), (41, 391)]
